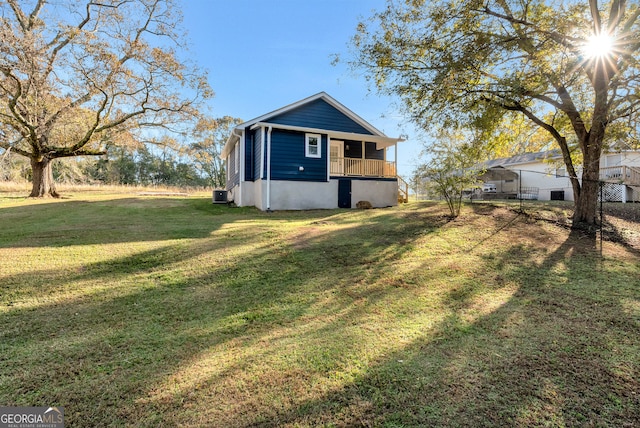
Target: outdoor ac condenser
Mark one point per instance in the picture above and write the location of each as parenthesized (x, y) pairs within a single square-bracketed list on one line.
[(219, 196)]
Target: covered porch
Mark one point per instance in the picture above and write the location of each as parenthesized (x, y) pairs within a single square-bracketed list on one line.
[(350, 158)]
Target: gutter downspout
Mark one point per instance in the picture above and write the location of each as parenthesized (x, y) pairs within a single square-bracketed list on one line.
[(234, 133), (269, 168)]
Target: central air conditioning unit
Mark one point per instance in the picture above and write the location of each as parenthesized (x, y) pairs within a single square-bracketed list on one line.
[(219, 196)]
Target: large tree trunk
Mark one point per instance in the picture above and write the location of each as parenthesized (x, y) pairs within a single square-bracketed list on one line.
[(43, 184), (586, 204), (586, 201)]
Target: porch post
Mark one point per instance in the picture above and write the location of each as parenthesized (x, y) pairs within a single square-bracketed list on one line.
[(395, 158), (328, 157), (362, 167)]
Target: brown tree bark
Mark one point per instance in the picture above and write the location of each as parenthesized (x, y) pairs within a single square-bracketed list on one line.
[(42, 180), (586, 201), (586, 204)]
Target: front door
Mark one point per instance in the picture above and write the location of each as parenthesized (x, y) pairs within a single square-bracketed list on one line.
[(344, 193), (336, 157)]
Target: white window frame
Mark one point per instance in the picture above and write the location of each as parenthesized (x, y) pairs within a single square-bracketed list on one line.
[(307, 145)]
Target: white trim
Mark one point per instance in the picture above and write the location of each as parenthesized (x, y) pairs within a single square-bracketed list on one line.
[(307, 145), (269, 169), (228, 146), (395, 156), (263, 149), (340, 145), (328, 158), (242, 157), (241, 144), (380, 141)]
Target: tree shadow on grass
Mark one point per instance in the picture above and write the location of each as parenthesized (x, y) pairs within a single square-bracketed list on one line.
[(629, 237), (561, 350), (109, 348), (132, 348)]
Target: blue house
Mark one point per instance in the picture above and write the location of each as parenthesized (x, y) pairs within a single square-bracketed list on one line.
[(314, 153)]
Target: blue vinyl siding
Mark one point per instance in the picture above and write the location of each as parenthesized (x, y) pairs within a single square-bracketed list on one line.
[(248, 158), (287, 156), (319, 114), (233, 178), (257, 153), (370, 152)]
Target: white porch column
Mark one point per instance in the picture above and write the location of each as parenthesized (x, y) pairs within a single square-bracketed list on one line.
[(395, 157), (328, 157)]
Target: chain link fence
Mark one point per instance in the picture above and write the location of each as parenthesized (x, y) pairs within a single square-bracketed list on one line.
[(550, 197)]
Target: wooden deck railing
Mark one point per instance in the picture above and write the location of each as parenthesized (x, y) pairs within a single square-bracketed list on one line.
[(621, 174), (362, 167)]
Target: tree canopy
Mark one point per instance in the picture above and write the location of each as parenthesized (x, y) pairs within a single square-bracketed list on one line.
[(76, 75), (568, 66), (453, 167), (211, 134)]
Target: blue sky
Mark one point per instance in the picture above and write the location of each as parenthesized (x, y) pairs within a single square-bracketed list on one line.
[(263, 55)]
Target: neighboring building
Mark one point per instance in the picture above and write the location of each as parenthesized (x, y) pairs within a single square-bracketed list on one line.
[(543, 176), (314, 153)]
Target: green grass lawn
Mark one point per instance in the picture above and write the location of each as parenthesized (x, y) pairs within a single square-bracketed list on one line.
[(171, 311)]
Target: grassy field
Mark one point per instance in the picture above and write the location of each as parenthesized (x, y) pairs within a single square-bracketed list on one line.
[(133, 310)]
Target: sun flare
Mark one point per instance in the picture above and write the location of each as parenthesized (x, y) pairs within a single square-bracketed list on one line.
[(598, 46)]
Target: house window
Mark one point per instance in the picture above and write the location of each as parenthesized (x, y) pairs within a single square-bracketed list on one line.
[(560, 173), (312, 146), (237, 153)]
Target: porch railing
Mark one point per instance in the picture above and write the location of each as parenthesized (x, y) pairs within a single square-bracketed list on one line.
[(362, 167), (621, 174)]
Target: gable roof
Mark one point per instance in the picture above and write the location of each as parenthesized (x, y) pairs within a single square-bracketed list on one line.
[(319, 96), (524, 158), (265, 120)]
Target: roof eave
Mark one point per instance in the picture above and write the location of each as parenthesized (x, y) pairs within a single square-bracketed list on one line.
[(380, 140), (230, 142)]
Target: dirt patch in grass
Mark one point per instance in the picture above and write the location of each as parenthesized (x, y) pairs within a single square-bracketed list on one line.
[(622, 223), (304, 237)]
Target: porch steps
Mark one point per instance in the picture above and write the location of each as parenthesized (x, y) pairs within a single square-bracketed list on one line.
[(403, 191)]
